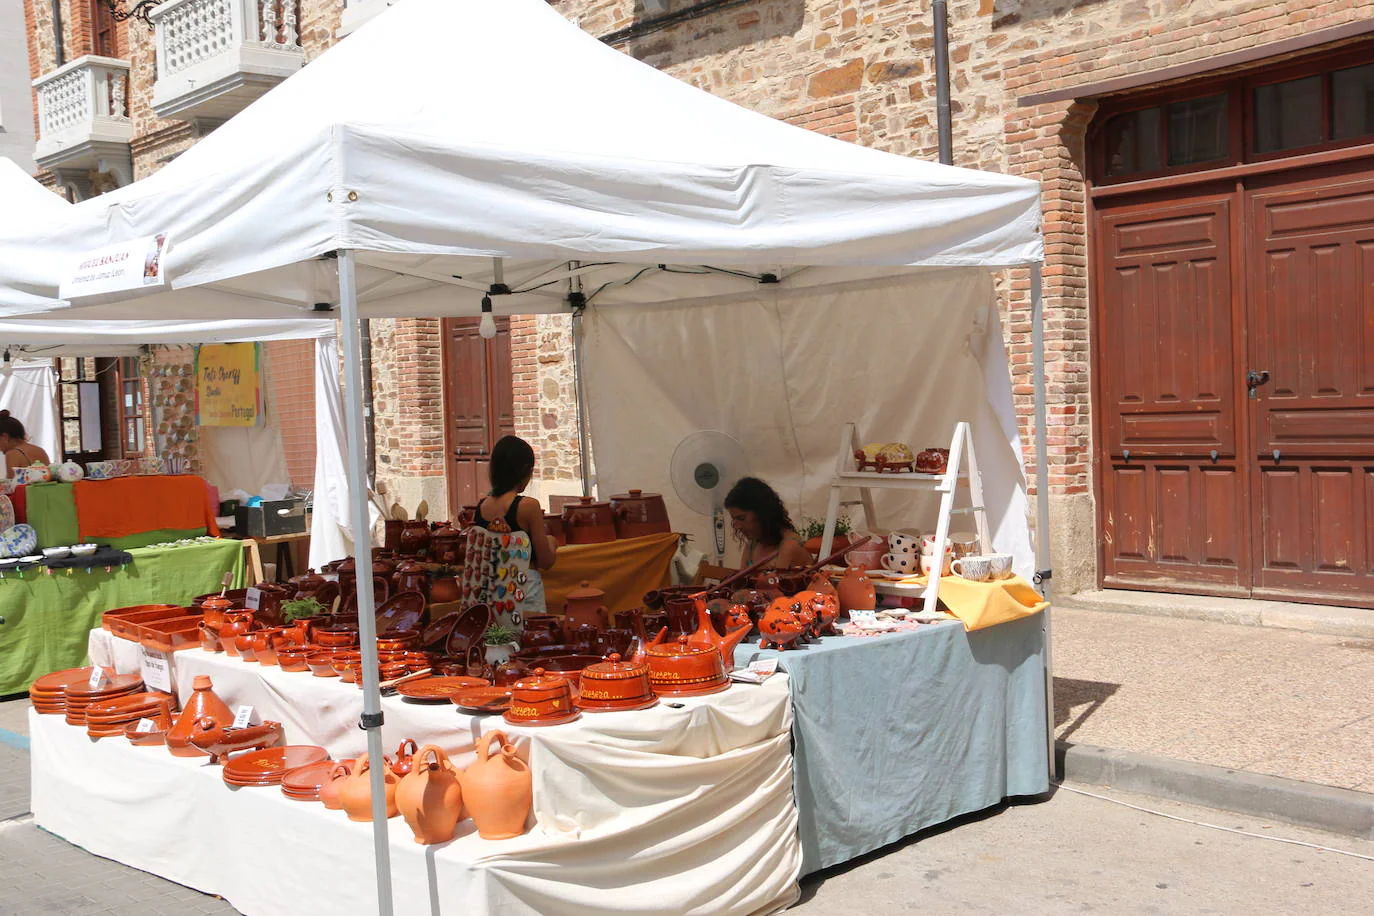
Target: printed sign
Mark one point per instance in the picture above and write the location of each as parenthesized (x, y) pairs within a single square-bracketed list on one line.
[(243, 717), (156, 669), (253, 600), (228, 389), (98, 678), (135, 264), (144, 726)]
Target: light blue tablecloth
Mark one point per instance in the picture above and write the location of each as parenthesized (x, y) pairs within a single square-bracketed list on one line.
[(900, 732)]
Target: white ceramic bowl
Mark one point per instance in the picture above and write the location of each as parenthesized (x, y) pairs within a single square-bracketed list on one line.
[(84, 550), (56, 553)]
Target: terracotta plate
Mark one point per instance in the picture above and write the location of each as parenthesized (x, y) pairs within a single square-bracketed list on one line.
[(483, 700), (269, 766), (307, 779), (117, 685), (438, 689), (468, 629), (56, 683), (436, 632), (692, 691), (554, 720)]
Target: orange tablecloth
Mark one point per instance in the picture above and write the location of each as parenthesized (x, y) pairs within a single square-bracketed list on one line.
[(124, 506), (624, 570)]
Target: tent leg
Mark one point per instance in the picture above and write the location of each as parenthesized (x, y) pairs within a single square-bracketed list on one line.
[(581, 394), (1042, 500), (362, 551)]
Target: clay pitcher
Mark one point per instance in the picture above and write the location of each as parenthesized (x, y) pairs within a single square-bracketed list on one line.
[(498, 788), (202, 704), (329, 792), (400, 764), (356, 792), (430, 797), (856, 591)]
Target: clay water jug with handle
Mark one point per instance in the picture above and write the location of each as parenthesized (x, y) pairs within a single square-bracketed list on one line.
[(329, 792), (355, 794), (430, 797), (498, 789)]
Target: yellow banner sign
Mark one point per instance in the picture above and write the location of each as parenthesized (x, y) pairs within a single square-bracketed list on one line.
[(228, 385)]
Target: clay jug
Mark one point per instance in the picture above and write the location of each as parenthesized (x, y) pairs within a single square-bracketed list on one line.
[(405, 753), (430, 797), (355, 794), (585, 607), (202, 704), (236, 623), (329, 792), (856, 591), (498, 789)]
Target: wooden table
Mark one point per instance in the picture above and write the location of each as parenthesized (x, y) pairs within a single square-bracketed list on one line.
[(285, 543)]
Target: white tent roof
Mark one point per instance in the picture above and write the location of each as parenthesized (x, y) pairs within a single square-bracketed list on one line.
[(449, 132)]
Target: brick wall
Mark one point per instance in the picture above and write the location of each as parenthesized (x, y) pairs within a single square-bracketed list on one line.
[(291, 393)]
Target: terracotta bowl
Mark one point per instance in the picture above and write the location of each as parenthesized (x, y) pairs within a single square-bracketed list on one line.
[(243, 645), (346, 659), (292, 659), (335, 637), (398, 641), (320, 664)]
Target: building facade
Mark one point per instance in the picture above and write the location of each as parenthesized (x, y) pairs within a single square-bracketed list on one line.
[(1205, 167), (16, 97)]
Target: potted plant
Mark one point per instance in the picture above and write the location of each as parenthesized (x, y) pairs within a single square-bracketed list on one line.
[(501, 642), (296, 615), (813, 531)]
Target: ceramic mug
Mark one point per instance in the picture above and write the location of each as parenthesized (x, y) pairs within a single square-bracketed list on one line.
[(1001, 564), (964, 544), (905, 563), (973, 568), (902, 542), (928, 561)]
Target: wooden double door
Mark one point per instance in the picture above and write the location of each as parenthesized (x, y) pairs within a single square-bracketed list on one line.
[(479, 405), (1234, 333)]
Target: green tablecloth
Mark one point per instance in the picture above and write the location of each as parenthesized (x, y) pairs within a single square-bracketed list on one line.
[(48, 617), (51, 510)]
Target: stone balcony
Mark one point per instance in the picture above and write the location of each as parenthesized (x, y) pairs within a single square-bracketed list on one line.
[(215, 57), (83, 124)]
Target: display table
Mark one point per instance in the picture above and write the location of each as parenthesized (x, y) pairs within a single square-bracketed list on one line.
[(899, 732), (49, 617), (624, 570), (663, 810)]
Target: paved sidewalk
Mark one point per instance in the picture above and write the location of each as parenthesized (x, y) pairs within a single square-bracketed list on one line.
[(1273, 701)]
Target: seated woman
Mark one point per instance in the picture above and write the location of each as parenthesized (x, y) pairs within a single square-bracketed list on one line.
[(18, 452), (761, 522), (505, 510)]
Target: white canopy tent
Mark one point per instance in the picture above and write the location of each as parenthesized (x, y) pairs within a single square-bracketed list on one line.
[(578, 177)]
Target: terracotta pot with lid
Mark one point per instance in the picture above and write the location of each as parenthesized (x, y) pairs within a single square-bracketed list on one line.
[(615, 684), (414, 538), (553, 522), (410, 576), (589, 522), (638, 514), (586, 607), (683, 669), (446, 546), (541, 699)]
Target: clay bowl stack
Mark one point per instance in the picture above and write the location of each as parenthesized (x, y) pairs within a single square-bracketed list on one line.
[(109, 718), (269, 767), (49, 692), (81, 695), (304, 782)]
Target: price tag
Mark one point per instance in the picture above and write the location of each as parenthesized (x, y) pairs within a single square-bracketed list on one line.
[(98, 677), (156, 669), (253, 599), (144, 726), (243, 717)]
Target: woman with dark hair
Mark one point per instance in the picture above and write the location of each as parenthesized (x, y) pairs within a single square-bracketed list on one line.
[(18, 452), (762, 524), (511, 469)]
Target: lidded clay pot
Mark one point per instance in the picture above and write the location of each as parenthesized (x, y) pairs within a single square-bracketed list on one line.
[(615, 684), (586, 607), (638, 514), (541, 699), (498, 789), (213, 609), (202, 704), (430, 796), (589, 522), (682, 668)]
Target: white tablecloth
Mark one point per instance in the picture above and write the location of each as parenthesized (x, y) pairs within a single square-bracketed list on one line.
[(667, 810)]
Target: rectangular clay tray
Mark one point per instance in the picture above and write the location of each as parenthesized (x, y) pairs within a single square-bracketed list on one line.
[(124, 621), (171, 634)]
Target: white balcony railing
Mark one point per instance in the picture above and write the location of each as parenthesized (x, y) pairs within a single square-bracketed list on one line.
[(83, 102), (214, 57)]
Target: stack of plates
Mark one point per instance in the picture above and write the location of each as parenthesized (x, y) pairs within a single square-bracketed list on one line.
[(438, 689), (266, 768), (304, 783), (80, 695), (108, 718), (49, 692)]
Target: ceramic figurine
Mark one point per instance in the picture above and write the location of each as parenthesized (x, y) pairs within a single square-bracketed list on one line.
[(856, 591), (781, 625)]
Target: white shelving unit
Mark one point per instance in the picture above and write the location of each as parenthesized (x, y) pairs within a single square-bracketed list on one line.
[(961, 473)]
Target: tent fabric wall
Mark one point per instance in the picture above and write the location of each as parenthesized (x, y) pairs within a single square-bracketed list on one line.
[(29, 392), (331, 537), (904, 358), (247, 457)]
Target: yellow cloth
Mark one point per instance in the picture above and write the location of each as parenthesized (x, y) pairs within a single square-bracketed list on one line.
[(986, 604), (624, 570)]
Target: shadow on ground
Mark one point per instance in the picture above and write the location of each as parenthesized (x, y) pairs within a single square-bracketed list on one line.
[(1070, 693)]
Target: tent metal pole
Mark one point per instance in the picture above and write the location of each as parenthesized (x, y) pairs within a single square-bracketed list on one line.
[(1043, 568), (580, 390), (940, 14), (362, 551)]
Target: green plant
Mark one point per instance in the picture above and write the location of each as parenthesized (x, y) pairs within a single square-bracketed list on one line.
[(815, 527), (500, 635), (298, 608)]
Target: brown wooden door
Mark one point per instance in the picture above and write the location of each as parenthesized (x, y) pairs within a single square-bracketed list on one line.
[(1311, 328), (479, 405), (1173, 508)]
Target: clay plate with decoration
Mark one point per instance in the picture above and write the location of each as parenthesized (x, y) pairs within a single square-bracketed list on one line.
[(438, 689), (268, 767), (483, 700)]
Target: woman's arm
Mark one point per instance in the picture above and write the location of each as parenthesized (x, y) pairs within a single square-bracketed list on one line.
[(791, 552), (530, 515)]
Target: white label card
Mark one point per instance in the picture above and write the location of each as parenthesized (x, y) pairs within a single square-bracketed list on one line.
[(156, 669), (97, 677), (144, 726), (253, 600), (244, 717)]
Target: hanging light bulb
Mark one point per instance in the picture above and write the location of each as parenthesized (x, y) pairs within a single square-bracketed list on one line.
[(488, 326), (8, 368)]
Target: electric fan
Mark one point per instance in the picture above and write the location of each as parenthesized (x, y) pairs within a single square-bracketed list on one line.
[(705, 466)]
